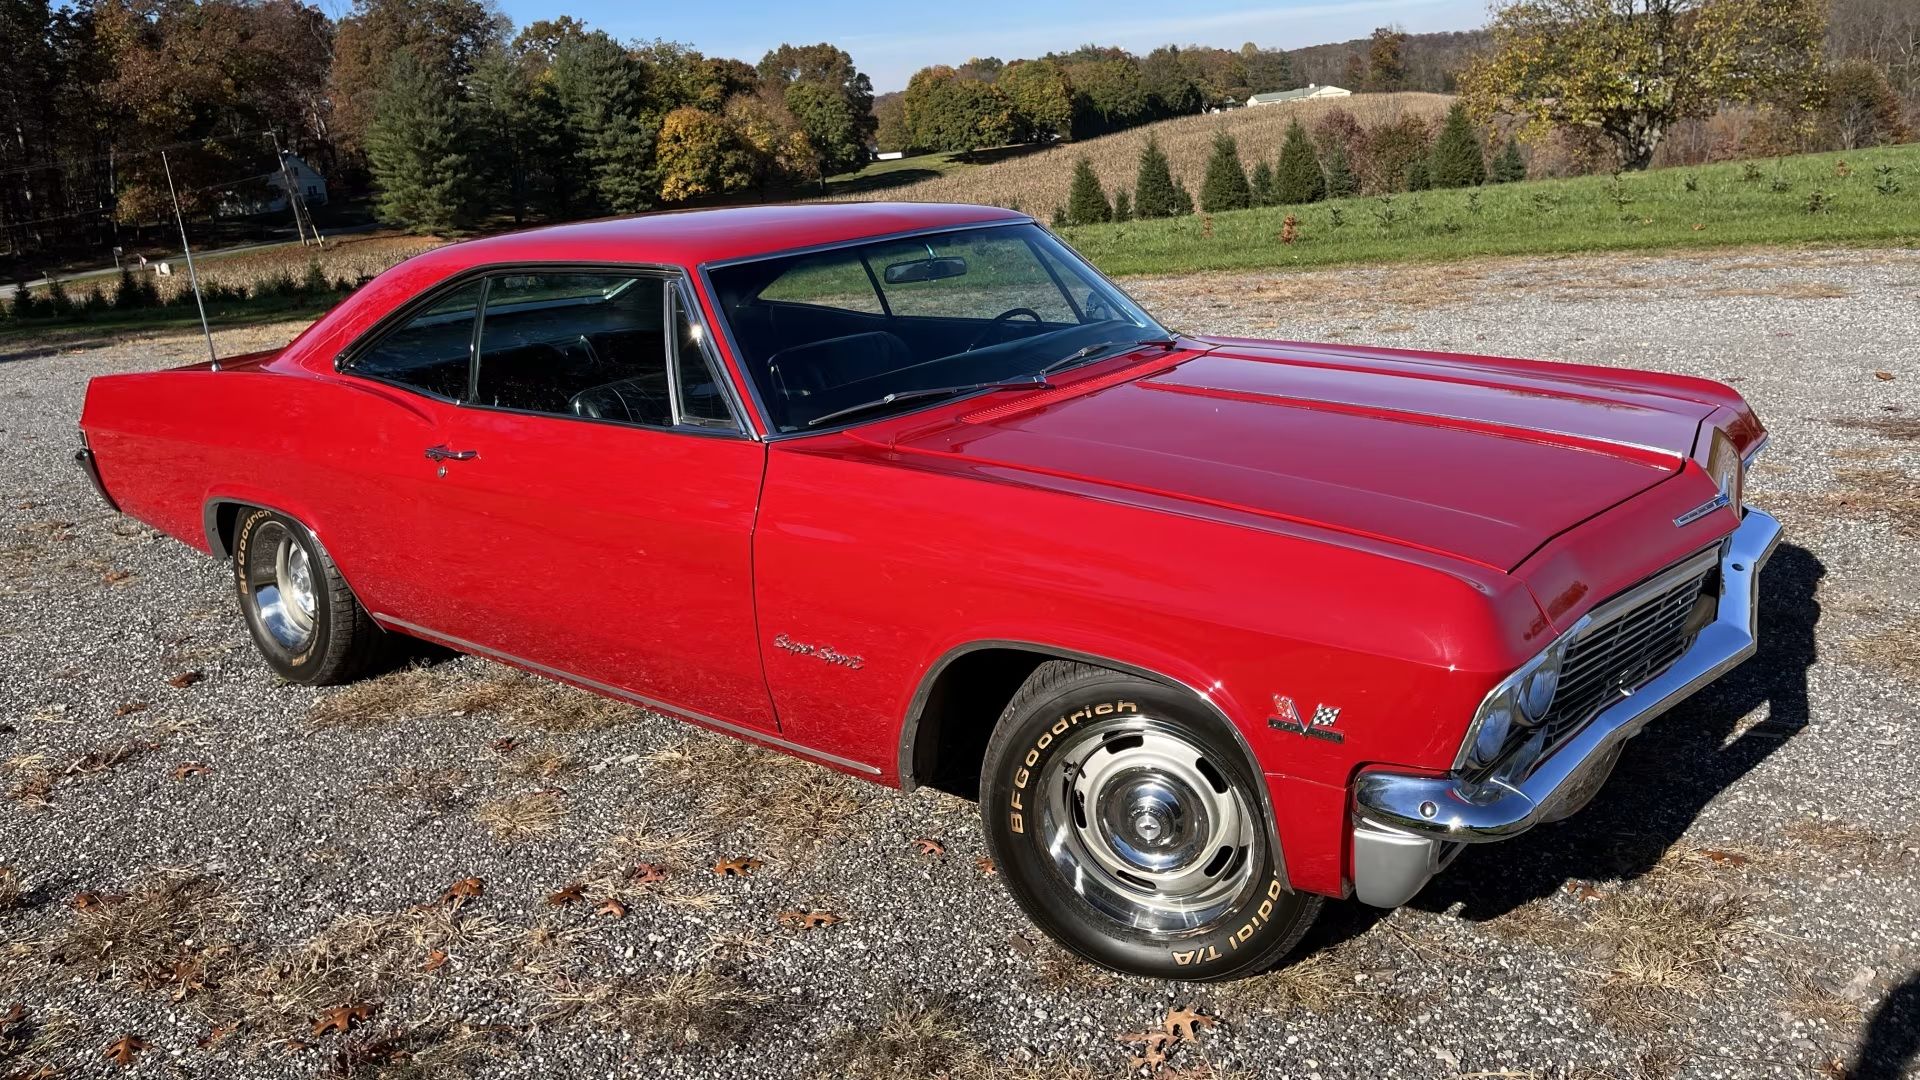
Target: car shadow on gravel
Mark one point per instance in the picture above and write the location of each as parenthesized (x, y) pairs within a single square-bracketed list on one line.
[(1892, 1041), (1668, 774)]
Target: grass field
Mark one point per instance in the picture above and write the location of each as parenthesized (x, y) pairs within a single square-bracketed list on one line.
[(1036, 180), (1863, 197)]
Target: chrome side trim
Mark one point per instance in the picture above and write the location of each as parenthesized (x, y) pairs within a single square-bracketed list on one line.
[(610, 690), (1448, 808)]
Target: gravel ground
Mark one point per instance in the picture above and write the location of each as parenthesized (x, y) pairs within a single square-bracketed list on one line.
[(1739, 902)]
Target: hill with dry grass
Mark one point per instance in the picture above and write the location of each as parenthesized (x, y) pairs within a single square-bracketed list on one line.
[(1037, 182)]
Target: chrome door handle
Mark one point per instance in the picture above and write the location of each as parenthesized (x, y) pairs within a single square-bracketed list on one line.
[(441, 453)]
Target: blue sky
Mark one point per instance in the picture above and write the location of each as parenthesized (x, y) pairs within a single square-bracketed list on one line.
[(890, 41)]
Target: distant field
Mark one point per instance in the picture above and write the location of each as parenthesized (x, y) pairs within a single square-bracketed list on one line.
[(1036, 182), (1814, 198)]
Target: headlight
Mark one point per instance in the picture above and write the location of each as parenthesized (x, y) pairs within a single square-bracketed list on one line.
[(1521, 700), (1724, 465)]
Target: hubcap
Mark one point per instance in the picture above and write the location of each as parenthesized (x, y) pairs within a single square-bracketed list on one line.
[(1144, 827), (279, 577)]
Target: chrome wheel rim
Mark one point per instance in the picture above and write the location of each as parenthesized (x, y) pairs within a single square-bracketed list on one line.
[(279, 577), (1146, 828)]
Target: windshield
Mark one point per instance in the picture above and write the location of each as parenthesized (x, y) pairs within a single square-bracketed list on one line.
[(834, 332)]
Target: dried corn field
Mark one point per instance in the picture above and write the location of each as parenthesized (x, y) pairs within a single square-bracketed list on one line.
[(1038, 182)]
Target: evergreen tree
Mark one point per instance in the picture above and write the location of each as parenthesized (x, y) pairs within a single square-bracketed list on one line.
[(1086, 201), (416, 150), (600, 90), (1262, 184), (1182, 201), (1300, 179), (1458, 158), (1340, 179), (1510, 167), (1225, 186), (1122, 205), (504, 107), (1419, 174), (1154, 193)]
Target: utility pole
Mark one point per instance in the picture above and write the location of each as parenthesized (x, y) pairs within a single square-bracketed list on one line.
[(293, 191)]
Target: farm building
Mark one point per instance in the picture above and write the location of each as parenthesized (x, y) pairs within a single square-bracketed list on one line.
[(1305, 93)]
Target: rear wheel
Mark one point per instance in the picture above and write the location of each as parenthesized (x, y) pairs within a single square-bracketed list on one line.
[(303, 618), (1127, 822)]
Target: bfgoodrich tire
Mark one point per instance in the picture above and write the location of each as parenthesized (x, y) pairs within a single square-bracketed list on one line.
[(303, 618), (1126, 820)]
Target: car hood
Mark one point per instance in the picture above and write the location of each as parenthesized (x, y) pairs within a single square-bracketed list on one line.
[(1484, 461)]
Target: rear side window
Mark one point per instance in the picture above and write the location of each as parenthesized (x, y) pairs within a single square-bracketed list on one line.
[(430, 351)]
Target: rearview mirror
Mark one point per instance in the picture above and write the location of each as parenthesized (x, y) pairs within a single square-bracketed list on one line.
[(902, 273)]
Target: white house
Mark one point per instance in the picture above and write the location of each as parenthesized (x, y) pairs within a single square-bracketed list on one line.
[(1306, 93), (273, 197)]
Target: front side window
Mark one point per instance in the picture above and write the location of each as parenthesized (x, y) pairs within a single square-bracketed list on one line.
[(828, 336)]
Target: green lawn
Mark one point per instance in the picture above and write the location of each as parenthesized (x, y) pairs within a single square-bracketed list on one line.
[(1729, 204)]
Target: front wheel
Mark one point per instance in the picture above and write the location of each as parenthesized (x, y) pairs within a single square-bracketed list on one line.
[(303, 618), (1127, 822)]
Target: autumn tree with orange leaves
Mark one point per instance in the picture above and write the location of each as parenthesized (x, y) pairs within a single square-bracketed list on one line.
[(1631, 69)]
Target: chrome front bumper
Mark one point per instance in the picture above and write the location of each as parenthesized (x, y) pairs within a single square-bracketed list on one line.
[(1407, 827)]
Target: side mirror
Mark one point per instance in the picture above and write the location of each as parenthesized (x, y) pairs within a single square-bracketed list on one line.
[(902, 273)]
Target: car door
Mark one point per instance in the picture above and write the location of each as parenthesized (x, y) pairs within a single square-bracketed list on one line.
[(596, 497)]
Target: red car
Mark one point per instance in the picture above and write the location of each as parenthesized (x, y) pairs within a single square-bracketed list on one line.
[(1213, 628)]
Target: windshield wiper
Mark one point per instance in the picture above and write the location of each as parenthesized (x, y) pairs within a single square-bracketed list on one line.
[(1087, 352), (899, 396)]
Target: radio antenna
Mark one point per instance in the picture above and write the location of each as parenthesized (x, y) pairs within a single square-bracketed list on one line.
[(193, 279)]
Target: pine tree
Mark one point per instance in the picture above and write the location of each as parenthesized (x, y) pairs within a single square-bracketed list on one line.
[(1086, 200), (1458, 158), (1154, 192), (1300, 179), (421, 172), (1509, 167), (1262, 184), (1182, 201), (1419, 175), (1340, 180), (600, 87), (1122, 205), (1225, 186)]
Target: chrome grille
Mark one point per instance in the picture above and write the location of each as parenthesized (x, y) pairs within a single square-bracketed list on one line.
[(1614, 657)]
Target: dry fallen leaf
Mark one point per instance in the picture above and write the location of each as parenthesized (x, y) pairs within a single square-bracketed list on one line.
[(930, 847), (87, 901), (341, 1018), (1153, 1050), (1883, 376), (436, 960), (1584, 891), (612, 908), (1186, 1023), (647, 873), (185, 679), (189, 769), (122, 1050), (984, 864), (740, 867), (462, 891), (504, 745), (213, 1036), (129, 708), (115, 577), (808, 919), (572, 894), (1723, 858), (11, 1020)]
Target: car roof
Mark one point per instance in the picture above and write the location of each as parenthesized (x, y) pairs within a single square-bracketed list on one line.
[(693, 237)]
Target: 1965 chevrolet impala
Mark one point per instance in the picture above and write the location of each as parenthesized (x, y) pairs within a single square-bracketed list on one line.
[(1212, 627)]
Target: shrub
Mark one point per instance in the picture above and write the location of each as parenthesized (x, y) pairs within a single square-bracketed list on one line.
[(1086, 200), (1862, 108), (1155, 195), (1509, 167), (94, 304), (1225, 186), (59, 304), (1419, 175), (1262, 184), (1458, 158), (126, 291), (1750, 172), (1691, 181), (1340, 179), (1819, 202), (1300, 179), (1391, 149), (314, 282), (24, 306), (1059, 217), (1779, 185), (1122, 205), (1886, 180), (1182, 201)]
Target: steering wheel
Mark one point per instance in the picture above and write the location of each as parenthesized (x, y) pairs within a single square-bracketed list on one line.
[(994, 323)]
